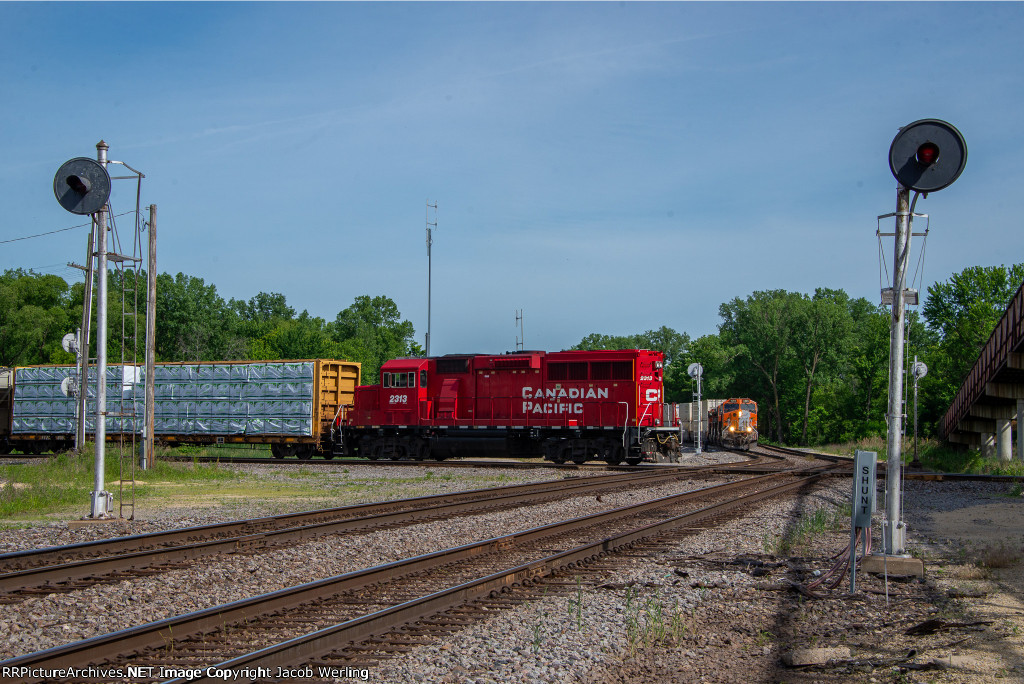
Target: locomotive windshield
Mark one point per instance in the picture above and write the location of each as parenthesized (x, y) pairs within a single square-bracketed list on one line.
[(730, 406)]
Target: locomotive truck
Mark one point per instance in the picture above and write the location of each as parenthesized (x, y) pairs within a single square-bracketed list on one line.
[(562, 406)]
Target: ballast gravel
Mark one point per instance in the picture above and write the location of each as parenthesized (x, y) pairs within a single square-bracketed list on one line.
[(682, 614)]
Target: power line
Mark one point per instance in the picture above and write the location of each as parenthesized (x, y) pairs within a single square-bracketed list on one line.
[(60, 230)]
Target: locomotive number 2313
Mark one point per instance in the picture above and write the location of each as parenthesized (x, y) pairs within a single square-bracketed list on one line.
[(399, 399)]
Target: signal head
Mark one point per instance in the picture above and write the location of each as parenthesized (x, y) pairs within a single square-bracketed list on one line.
[(927, 155), (82, 185)]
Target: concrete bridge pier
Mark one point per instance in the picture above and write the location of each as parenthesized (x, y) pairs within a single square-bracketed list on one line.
[(988, 445), (1004, 441), (1020, 433)]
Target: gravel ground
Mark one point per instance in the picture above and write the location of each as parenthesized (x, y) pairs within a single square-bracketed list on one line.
[(682, 614)]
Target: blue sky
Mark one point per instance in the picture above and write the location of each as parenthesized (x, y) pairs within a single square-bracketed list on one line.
[(605, 167)]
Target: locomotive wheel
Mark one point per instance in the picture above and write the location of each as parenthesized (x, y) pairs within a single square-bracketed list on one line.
[(614, 454), (419, 450), (635, 460), (376, 450), (554, 451), (328, 455)]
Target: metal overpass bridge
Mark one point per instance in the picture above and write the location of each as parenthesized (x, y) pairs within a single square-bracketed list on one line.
[(993, 394)]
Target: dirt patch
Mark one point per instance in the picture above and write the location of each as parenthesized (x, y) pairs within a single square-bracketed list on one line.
[(962, 623)]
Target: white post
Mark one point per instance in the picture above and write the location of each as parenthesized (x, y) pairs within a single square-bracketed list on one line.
[(100, 497), (894, 532)]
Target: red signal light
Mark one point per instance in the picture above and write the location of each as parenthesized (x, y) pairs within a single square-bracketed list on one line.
[(927, 153)]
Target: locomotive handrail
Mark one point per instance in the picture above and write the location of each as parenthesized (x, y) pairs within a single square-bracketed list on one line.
[(625, 425)]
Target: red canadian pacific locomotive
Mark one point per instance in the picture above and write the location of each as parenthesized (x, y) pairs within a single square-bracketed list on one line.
[(733, 423), (564, 406)]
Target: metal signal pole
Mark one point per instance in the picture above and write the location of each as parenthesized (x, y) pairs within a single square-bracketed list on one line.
[(894, 529), (100, 497)]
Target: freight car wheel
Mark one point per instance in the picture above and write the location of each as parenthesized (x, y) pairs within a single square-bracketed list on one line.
[(277, 451), (304, 452)]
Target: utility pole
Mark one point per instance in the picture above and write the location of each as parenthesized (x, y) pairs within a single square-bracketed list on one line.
[(521, 339), (430, 242), (149, 459), (83, 361)]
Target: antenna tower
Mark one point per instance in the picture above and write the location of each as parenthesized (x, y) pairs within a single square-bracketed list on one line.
[(430, 241)]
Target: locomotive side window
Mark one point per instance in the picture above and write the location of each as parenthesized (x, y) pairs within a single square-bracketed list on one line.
[(402, 379), (387, 380), (423, 378), (412, 379)]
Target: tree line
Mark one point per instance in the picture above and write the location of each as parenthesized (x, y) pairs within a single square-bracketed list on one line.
[(194, 324), (817, 364)]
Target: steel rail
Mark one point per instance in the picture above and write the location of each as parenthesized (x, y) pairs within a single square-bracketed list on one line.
[(317, 644), (156, 634), (139, 542), (251, 539)]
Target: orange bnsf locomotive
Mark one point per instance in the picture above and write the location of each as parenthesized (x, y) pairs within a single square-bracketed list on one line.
[(563, 406), (733, 424)]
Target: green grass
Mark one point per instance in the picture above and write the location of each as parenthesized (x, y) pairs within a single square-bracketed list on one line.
[(806, 528), (933, 454), (61, 485), (64, 481)]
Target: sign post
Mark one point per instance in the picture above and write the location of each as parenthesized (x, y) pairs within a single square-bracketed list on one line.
[(864, 499)]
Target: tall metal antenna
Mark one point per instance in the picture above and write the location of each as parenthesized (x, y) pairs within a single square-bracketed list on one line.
[(521, 338), (430, 241)]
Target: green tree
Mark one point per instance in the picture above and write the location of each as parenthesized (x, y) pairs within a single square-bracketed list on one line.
[(962, 312), (823, 326), (372, 331), (666, 340), (715, 357), (762, 327), (194, 323), (34, 315)]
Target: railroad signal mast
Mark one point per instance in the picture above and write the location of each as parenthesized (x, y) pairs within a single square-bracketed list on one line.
[(82, 186), (925, 156)]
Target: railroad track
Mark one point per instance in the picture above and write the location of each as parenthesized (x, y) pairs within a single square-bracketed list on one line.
[(345, 620), (68, 568)]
